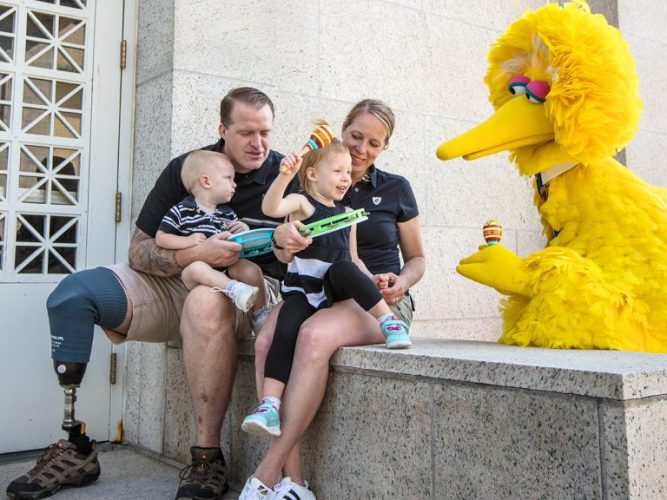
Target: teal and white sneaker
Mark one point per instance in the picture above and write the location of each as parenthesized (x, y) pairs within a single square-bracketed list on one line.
[(254, 489), (395, 333), (264, 421), (287, 489)]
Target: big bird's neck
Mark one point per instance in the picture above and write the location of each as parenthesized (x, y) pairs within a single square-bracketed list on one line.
[(556, 170)]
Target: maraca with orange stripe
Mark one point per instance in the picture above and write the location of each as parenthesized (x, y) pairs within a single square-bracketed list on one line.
[(493, 232), (321, 136)]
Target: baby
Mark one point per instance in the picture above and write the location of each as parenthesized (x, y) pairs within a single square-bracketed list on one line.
[(209, 177)]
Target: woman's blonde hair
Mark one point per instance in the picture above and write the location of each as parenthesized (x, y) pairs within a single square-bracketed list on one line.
[(379, 110), (315, 156)]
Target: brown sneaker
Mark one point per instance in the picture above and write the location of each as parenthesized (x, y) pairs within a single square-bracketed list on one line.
[(59, 465), (204, 479)]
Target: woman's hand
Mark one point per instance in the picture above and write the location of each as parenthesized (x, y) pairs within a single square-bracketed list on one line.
[(395, 288)]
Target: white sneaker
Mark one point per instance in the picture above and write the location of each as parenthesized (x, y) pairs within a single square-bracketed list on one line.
[(254, 489), (243, 296), (257, 320), (287, 489)]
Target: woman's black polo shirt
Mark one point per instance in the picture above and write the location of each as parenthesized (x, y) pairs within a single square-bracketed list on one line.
[(389, 199)]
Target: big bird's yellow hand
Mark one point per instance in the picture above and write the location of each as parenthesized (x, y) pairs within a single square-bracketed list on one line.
[(497, 267)]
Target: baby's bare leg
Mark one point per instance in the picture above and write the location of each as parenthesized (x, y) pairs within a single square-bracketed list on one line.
[(249, 273), (200, 273)]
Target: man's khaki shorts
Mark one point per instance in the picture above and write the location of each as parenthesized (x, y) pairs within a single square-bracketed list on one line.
[(403, 310), (157, 304)]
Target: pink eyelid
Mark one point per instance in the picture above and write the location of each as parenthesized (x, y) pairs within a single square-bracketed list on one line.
[(539, 88), (519, 79)]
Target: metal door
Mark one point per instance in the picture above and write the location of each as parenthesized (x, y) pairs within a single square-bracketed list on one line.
[(59, 123)]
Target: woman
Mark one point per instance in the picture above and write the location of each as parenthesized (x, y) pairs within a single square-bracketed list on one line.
[(393, 223)]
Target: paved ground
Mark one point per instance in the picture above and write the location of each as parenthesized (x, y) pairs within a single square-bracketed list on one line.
[(127, 473)]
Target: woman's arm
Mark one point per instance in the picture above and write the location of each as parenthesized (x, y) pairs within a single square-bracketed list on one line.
[(353, 252), (414, 263)]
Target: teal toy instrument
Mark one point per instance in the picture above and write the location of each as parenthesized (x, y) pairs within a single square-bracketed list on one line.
[(333, 223), (254, 242)]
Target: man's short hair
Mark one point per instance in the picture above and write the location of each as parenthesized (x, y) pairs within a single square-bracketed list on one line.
[(248, 95)]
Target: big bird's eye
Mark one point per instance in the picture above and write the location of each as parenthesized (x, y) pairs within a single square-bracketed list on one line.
[(537, 91), (518, 84)]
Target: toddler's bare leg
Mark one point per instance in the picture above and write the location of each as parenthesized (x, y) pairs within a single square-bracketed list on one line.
[(200, 273), (249, 273)]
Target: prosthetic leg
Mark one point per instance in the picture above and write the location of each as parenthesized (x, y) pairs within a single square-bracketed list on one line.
[(70, 375)]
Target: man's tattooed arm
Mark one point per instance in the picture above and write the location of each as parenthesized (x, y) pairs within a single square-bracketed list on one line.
[(145, 256)]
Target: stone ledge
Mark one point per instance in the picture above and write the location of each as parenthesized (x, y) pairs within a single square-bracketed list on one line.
[(464, 420), (601, 374)]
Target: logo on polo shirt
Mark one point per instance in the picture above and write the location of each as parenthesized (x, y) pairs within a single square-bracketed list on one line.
[(377, 200)]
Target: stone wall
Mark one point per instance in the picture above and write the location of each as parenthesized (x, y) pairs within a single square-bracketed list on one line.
[(426, 58)]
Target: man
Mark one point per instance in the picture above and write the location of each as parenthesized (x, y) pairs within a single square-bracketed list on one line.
[(147, 300)]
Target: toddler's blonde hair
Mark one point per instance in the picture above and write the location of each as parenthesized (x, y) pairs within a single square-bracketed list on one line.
[(197, 164), (315, 156)]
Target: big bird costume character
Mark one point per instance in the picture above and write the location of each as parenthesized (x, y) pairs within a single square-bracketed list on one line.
[(564, 88)]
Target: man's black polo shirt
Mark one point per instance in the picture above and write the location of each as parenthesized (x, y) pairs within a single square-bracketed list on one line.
[(247, 200), (389, 199)]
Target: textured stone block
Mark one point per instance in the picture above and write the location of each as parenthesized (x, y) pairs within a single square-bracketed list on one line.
[(600, 374), (643, 18), (383, 59), (153, 136), (273, 44), (442, 292), (651, 66), (467, 193), (179, 425), (133, 390), (494, 16), (645, 157), (246, 450), (153, 394), (514, 444), (374, 433), (634, 454), (155, 39), (486, 329)]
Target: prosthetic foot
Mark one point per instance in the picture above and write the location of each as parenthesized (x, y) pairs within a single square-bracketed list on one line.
[(68, 462)]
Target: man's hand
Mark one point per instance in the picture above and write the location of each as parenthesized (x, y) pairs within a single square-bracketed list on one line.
[(288, 236), (497, 267), (215, 251)]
